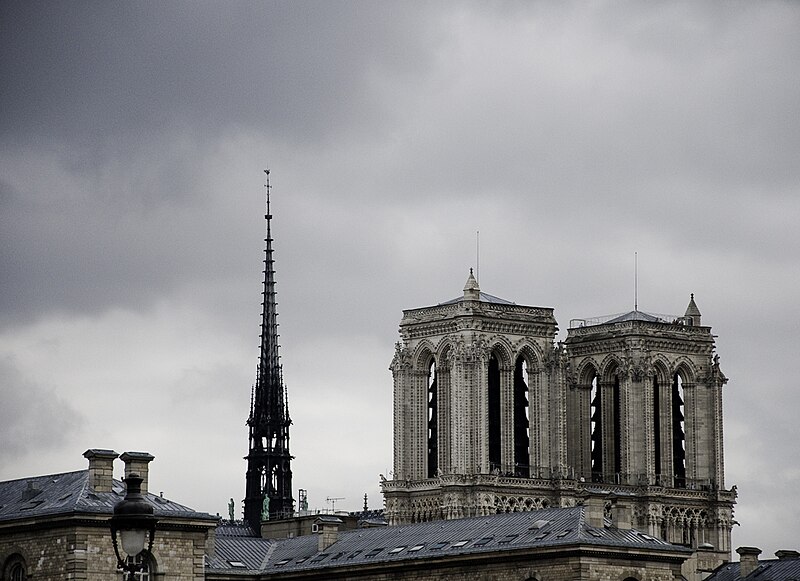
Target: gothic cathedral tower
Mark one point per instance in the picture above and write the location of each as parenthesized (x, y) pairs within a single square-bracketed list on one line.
[(269, 473), (492, 415)]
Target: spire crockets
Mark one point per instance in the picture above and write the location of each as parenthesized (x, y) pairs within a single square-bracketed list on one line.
[(269, 473)]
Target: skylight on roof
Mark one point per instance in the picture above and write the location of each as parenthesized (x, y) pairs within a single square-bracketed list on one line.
[(282, 562), (563, 534), (415, 548), (460, 544), (238, 564), (374, 552), (320, 557), (507, 539), (483, 541), (438, 546), (396, 550), (354, 554)]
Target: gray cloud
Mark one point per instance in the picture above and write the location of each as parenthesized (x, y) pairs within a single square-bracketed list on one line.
[(571, 135)]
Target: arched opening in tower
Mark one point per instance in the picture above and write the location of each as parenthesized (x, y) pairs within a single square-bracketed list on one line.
[(617, 432), (433, 421), (494, 413), (657, 429), (596, 430), (522, 438), (678, 432)]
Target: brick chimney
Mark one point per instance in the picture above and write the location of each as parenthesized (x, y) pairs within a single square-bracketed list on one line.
[(101, 468), (748, 560), (137, 463), (327, 528), (787, 554)]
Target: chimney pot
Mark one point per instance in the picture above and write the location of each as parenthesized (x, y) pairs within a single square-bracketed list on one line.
[(748, 560), (101, 468), (137, 463)]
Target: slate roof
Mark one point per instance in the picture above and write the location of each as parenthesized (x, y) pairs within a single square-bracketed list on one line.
[(544, 528), (484, 298), (637, 316), (69, 493), (767, 570)]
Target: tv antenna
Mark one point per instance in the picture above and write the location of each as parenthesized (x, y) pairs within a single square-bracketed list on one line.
[(332, 500)]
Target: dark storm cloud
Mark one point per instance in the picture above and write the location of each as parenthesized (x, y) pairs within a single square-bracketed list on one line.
[(108, 75), (133, 135)]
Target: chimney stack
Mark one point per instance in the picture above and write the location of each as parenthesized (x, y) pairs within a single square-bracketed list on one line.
[(748, 560), (787, 554), (594, 511), (328, 530), (137, 463), (620, 514), (101, 468)]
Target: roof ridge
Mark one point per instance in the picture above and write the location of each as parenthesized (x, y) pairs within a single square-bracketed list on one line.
[(43, 476)]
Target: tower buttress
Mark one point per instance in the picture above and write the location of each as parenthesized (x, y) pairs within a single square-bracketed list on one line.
[(269, 473)]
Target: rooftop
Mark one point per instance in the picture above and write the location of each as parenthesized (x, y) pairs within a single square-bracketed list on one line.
[(69, 493), (545, 528)]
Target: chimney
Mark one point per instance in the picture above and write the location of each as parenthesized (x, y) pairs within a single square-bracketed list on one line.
[(748, 560), (593, 511), (101, 468), (327, 527), (787, 554), (620, 514), (137, 463)]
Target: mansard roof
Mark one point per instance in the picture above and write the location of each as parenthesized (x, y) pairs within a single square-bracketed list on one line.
[(69, 493), (508, 533)]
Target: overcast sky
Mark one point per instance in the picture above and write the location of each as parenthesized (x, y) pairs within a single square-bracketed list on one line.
[(132, 142)]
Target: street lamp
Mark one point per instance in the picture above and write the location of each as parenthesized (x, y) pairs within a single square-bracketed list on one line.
[(133, 519)]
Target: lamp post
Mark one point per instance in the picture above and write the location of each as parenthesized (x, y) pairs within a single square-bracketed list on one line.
[(133, 519)]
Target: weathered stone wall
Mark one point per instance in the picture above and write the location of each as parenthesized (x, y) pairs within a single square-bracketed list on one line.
[(85, 553)]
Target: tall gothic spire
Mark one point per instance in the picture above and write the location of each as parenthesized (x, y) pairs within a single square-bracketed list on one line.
[(269, 474)]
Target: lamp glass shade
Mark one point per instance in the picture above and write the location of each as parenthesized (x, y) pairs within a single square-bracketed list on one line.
[(133, 541)]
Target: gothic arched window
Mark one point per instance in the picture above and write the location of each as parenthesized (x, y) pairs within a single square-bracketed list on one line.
[(596, 430), (522, 424), (433, 421), (494, 413), (678, 432)]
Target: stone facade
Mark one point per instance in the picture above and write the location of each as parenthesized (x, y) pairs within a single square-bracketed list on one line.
[(491, 415)]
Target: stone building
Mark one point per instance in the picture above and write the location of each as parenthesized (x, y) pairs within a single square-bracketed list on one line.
[(56, 527), (492, 415)]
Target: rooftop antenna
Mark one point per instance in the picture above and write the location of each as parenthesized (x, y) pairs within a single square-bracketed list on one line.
[(332, 500), (478, 256), (636, 282)]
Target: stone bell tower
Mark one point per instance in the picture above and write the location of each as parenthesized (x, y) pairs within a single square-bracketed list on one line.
[(478, 408), (491, 415), (645, 401)]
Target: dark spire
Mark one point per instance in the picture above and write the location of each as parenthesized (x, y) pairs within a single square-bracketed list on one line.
[(269, 471)]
